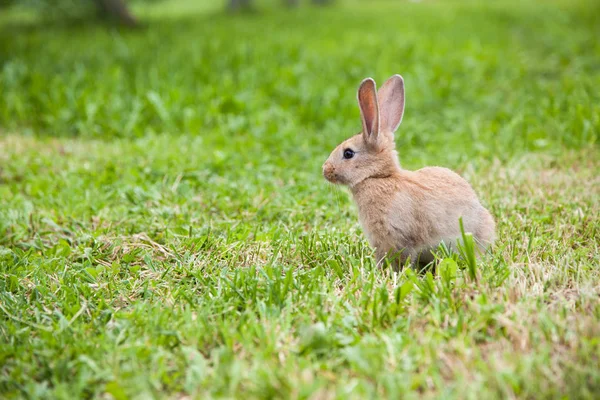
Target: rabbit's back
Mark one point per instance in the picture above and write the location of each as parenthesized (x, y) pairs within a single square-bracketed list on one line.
[(417, 210), (445, 197)]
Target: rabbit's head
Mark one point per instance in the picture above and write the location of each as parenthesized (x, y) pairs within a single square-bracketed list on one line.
[(371, 153)]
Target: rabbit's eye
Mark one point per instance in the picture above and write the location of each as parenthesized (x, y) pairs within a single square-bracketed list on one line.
[(348, 153)]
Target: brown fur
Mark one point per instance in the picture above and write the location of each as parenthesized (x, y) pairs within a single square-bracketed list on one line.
[(405, 214)]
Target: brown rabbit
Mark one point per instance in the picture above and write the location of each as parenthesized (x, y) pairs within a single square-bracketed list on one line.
[(405, 214)]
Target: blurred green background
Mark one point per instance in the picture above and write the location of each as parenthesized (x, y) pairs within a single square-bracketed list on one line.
[(474, 70)]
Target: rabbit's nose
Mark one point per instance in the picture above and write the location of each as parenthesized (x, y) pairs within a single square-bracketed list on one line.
[(328, 170)]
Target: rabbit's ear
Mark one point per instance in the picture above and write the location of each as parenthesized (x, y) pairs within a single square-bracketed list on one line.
[(391, 103), (369, 110)]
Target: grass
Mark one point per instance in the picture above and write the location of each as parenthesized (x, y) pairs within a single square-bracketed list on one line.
[(165, 230)]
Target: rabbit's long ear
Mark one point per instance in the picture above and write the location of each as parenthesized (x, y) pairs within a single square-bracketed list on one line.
[(369, 110), (391, 104)]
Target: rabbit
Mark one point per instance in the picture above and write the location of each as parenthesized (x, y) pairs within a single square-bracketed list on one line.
[(405, 214)]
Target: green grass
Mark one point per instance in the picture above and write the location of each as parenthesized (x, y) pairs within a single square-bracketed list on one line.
[(165, 230)]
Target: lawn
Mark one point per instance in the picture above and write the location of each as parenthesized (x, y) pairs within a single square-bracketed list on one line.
[(165, 231)]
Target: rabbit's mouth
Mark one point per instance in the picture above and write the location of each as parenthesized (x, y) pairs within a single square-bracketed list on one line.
[(332, 178)]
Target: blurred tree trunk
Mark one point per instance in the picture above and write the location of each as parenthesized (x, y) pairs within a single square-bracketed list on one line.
[(118, 10), (235, 5)]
